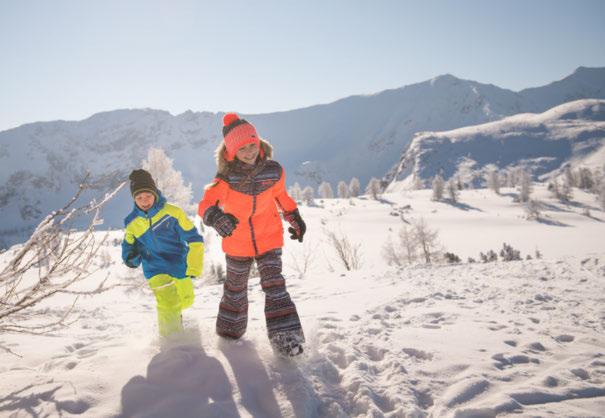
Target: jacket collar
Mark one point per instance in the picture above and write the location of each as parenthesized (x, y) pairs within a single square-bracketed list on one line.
[(157, 206)]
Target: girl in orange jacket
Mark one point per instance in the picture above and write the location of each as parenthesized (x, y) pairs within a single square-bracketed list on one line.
[(243, 204)]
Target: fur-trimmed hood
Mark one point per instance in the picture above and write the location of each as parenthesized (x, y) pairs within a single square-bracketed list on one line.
[(223, 165)]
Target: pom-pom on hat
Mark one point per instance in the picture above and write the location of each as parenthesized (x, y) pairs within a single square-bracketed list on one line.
[(237, 133), (141, 181)]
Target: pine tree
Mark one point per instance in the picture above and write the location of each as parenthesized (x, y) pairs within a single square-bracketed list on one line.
[(168, 180)]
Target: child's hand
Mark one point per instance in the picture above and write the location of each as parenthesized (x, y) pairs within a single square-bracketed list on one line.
[(225, 224), (298, 227)]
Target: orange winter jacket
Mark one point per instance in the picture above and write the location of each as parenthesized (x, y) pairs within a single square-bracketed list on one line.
[(253, 195)]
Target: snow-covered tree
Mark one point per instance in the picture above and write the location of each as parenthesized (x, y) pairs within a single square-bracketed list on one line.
[(438, 187), (342, 189), (493, 180), (418, 183), (168, 180), (374, 188), (533, 209), (426, 240), (570, 179), (325, 190), (354, 187), (525, 186), (602, 195), (308, 195), (562, 193), (452, 190), (295, 192), (585, 179)]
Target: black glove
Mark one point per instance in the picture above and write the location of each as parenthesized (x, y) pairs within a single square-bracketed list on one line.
[(224, 223), (298, 227)]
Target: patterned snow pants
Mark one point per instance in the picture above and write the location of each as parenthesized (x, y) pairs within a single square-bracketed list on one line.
[(280, 312), (172, 296)]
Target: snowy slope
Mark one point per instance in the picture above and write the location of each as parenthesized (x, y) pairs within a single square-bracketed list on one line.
[(542, 143), (362, 136), (522, 338)]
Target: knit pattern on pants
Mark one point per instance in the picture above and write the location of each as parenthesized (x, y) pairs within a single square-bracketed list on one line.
[(280, 311)]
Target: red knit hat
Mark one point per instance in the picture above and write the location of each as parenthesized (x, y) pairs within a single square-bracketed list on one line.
[(237, 133)]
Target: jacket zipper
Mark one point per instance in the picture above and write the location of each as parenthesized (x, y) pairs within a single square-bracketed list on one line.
[(250, 218)]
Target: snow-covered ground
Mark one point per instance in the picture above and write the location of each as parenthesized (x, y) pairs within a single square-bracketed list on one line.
[(522, 338)]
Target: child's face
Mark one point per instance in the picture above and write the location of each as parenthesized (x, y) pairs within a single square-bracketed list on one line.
[(144, 200), (247, 153)]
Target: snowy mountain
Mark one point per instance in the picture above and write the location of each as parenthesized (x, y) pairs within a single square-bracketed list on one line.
[(363, 136), (521, 338), (542, 143)]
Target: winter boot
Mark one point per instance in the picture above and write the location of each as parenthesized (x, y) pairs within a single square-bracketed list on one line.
[(287, 344)]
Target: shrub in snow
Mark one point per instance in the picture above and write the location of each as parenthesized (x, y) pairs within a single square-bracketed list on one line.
[(532, 210), (354, 187), (451, 258), (302, 261), (374, 188), (342, 190), (508, 253), (438, 187), (489, 257), (325, 190), (471, 260), (404, 250), (168, 180), (348, 253), (216, 273), (538, 254), (50, 263)]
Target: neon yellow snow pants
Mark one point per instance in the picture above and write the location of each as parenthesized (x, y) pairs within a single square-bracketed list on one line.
[(172, 296)]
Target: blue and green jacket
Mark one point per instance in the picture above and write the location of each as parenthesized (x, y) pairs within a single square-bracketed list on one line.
[(164, 240)]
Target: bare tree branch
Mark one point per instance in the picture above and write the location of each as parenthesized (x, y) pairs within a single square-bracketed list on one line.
[(52, 261)]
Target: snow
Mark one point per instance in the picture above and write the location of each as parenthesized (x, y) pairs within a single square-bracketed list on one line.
[(522, 338), (572, 133)]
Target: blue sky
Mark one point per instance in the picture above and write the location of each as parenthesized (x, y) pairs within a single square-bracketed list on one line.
[(71, 59)]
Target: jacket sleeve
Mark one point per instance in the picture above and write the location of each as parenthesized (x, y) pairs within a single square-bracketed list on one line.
[(283, 199), (215, 192), (130, 252), (195, 242)]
